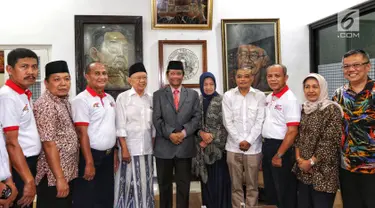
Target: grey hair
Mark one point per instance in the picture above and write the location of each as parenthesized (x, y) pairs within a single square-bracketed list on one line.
[(285, 70)]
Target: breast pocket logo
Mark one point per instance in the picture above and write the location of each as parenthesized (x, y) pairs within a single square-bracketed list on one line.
[(26, 108), (95, 105), (278, 107)]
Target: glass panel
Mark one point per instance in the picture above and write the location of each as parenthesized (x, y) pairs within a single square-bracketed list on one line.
[(36, 88), (335, 77)]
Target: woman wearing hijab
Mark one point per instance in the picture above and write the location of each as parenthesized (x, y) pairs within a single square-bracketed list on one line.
[(317, 146), (210, 163)]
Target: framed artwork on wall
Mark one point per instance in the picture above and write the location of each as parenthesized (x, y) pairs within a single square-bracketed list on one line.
[(115, 41), (179, 14), (249, 43), (2, 62), (193, 55)]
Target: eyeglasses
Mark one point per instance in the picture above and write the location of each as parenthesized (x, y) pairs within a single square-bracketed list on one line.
[(252, 56), (355, 66)]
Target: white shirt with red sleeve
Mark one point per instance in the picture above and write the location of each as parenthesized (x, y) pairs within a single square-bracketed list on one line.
[(98, 113), (282, 110), (4, 162), (16, 113)]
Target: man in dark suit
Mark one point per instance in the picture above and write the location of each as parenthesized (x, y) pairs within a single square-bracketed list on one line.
[(176, 116)]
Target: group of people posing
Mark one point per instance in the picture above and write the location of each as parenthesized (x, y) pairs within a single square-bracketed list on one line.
[(97, 152)]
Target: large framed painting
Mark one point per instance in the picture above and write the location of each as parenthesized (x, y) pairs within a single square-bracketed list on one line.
[(181, 14), (2, 62), (115, 41), (193, 55), (252, 44)]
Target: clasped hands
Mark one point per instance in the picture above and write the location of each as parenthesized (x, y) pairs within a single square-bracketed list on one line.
[(177, 137), (304, 165), (206, 139), (244, 145)]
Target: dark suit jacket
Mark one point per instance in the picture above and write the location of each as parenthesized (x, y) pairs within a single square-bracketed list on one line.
[(166, 120)]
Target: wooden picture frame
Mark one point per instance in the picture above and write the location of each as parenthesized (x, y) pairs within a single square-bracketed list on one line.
[(192, 53), (115, 41), (175, 14), (249, 43)]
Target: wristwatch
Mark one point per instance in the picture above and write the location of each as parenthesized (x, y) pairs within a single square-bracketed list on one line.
[(312, 163), (6, 193), (279, 155)]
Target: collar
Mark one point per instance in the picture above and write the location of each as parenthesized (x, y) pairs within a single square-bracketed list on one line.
[(133, 92), (282, 92), (18, 89), (173, 89), (369, 85), (250, 90), (93, 93)]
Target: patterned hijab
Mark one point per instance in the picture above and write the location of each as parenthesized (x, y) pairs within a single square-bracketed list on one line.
[(206, 98), (323, 100)]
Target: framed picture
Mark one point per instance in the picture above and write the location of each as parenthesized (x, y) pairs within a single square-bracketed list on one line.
[(115, 41), (2, 62), (181, 14), (193, 55), (249, 43)]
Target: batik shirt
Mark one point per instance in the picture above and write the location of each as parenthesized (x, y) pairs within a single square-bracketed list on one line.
[(358, 140), (54, 122)]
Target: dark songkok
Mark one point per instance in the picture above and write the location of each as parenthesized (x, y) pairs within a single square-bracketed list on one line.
[(176, 65), (137, 67), (56, 67)]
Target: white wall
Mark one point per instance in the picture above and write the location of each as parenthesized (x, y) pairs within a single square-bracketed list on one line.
[(46, 22)]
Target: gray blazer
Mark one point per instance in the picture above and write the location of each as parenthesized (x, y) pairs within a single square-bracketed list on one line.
[(166, 119)]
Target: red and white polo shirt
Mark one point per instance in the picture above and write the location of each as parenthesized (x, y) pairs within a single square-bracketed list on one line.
[(98, 113), (282, 110), (16, 113)]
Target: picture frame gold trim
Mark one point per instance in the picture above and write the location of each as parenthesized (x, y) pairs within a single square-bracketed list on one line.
[(251, 32), (183, 26)]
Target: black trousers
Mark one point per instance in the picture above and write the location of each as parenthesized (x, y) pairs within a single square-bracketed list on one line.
[(47, 196), (280, 184), (99, 192), (357, 189), (31, 162), (182, 170), (310, 198)]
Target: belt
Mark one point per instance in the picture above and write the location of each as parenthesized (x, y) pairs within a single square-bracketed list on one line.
[(106, 152)]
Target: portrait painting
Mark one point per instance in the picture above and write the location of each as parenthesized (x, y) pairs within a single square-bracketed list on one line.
[(2, 62), (115, 41), (252, 44), (192, 54), (182, 14)]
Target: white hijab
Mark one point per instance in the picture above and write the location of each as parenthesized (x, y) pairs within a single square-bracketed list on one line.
[(323, 100)]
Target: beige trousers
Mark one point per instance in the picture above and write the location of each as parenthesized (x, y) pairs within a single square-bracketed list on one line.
[(243, 170)]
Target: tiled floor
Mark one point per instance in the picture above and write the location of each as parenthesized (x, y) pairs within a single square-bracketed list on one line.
[(196, 201)]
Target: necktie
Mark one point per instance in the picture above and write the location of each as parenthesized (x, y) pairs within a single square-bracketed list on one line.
[(175, 98), (28, 93)]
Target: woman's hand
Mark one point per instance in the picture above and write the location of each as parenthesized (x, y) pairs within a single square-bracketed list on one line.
[(304, 165), (206, 137)]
